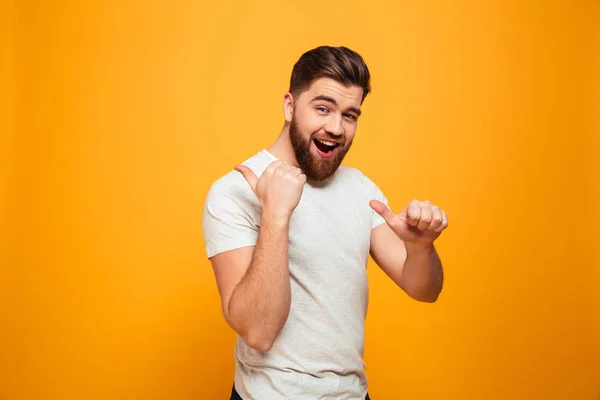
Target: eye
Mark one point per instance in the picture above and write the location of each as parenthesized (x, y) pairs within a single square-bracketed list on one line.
[(350, 117), (322, 109)]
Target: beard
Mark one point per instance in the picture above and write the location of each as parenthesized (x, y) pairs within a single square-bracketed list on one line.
[(315, 168)]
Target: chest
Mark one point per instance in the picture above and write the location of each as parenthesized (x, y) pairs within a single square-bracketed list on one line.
[(331, 227)]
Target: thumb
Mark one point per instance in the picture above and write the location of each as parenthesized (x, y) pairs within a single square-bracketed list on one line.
[(382, 210), (248, 175)]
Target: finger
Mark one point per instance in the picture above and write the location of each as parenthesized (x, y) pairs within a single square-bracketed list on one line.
[(413, 213), (382, 210), (249, 175), (297, 171), (426, 215), (444, 223), (290, 169), (274, 166), (436, 218), (280, 168)]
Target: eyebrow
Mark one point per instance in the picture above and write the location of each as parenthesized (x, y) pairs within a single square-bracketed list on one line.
[(332, 101)]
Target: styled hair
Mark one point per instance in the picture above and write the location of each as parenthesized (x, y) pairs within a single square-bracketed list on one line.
[(338, 63)]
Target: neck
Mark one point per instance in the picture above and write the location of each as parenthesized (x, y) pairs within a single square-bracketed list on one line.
[(282, 147)]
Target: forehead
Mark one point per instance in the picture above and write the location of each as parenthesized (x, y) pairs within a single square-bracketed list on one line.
[(349, 95)]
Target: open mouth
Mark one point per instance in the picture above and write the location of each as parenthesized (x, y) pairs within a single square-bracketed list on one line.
[(325, 147)]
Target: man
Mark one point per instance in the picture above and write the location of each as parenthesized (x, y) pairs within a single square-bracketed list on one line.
[(289, 234)]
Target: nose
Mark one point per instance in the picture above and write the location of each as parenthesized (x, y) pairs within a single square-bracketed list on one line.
[(334, 125)]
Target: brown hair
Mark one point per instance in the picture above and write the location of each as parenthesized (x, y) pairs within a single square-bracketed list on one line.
[(339, 63)]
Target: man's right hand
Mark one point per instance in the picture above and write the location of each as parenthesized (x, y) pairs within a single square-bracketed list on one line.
[(279, 188)]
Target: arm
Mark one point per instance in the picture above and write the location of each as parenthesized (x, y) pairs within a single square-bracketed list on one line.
[(416, 270), (254, 284), (254, 281), (413, 263)]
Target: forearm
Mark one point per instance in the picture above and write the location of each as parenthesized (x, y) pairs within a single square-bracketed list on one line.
[(422, 274), (260, 304)]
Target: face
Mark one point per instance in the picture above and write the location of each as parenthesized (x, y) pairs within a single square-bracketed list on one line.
[(323, 123)]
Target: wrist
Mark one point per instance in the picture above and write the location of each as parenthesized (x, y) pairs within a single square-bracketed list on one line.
[(276, 216), (418, 248)]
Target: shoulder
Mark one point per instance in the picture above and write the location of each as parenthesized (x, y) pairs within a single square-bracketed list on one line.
[(361, 182), (229, 185), (231, 215), (233, 189), (233, 181), (357, 177)]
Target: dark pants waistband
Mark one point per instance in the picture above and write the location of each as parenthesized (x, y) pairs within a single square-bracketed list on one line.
[(236, 396)]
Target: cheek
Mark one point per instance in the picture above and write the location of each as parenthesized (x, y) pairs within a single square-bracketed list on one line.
[(350, 131), (308, 123)]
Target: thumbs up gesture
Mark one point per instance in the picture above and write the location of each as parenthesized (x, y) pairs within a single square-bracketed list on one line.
[(418, 223), (279, 188)]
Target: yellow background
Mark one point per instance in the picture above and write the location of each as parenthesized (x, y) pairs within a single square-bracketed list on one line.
[(117, 116)]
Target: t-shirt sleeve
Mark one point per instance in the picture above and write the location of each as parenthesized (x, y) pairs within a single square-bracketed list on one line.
[(378, 195), (373, 192), (229, 218)]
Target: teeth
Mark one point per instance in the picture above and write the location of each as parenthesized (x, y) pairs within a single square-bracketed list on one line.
[(327, 143)]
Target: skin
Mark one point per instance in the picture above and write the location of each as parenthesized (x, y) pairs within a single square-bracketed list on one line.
[(254, 281)]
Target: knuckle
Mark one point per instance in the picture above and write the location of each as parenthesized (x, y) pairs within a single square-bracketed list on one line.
[(280, 172)]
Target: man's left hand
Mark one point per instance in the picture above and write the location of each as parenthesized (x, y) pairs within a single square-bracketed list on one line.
[(419, 223)]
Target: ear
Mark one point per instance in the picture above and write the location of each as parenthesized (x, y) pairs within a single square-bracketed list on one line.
[(288, 106)]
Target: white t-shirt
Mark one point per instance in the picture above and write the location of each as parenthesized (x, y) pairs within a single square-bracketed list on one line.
[(319, 352)]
